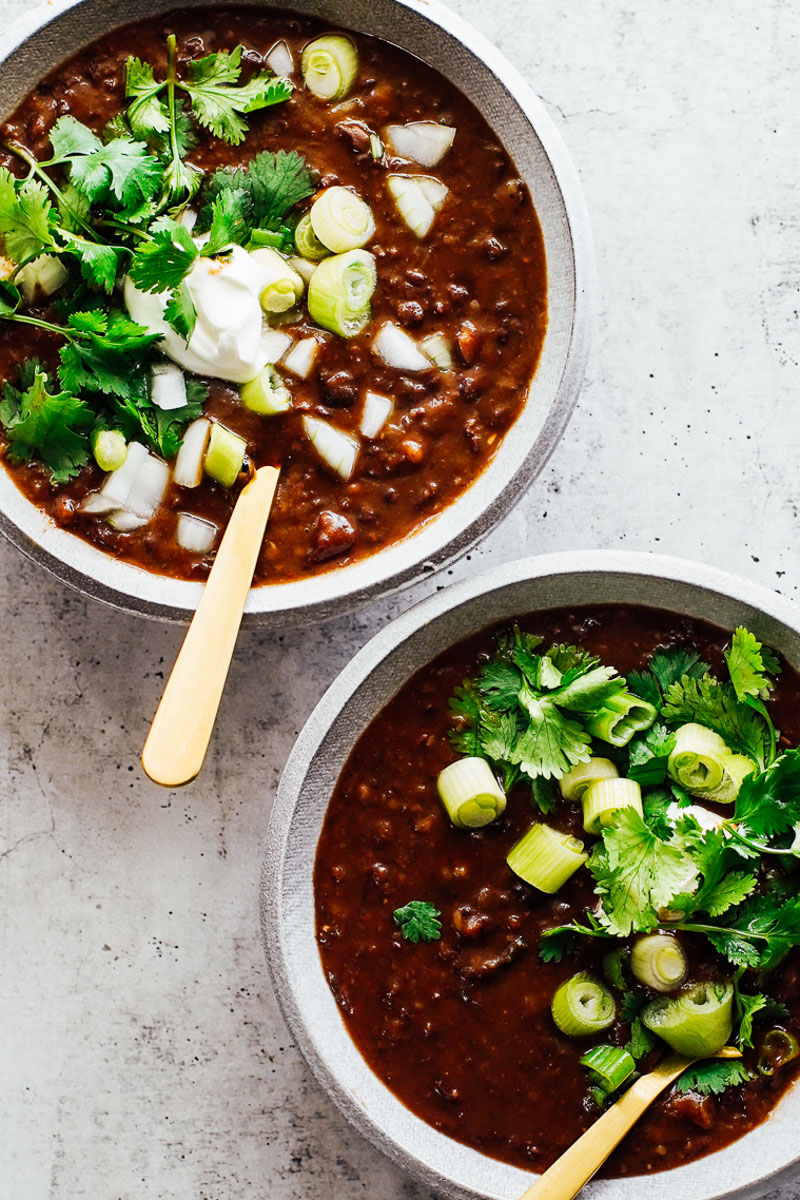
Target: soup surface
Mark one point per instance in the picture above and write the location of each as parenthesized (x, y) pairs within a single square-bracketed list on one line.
[(460, 1028), (477, 278)]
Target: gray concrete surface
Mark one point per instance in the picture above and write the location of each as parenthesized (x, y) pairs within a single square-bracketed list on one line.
[(142, 1056)]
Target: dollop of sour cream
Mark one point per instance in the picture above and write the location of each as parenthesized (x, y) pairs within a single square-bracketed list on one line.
[(226, 341)]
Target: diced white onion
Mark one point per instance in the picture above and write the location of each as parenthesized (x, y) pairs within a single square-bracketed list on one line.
[(45, 274), (148, 488), (423, 142), (125, 522), (118, 484), (705, 818), (274, 345), (96, 503), (189, 463), (188, 219), (301, 358), (377, 410), (168, 387), (335, 448), (434, 191), (412, 204), (280, 59), (394, 346), (195, 534), (437, 348)]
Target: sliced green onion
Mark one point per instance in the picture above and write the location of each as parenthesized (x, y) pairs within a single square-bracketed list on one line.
[(283, 287), (109, 449), (659, 962), (341, 220), (45, 275), (604, 797), (696, 759), (574, 784), (735, 769), (267, 394), (305, 269), (330, 66), (777, 1049), (620, 718), (546, 858), (340, 291), (697, 1023), (470, 793), (615, 966), (608, 1067), (225, 455), (307, 243), (582, 1006)]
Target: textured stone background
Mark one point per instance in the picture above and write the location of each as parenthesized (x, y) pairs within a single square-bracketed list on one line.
[(141, 1051)]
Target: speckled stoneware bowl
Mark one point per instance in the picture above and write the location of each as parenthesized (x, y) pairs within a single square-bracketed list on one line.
[(751, 1166), (53, 31)]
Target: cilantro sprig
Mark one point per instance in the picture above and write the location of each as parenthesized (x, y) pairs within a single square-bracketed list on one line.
[(418, 921)]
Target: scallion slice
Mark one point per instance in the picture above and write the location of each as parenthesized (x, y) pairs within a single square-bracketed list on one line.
[(604, 797), (225, 455), (735, 769), (282, 286), (658, 961), (305, 269), (109, 449), (583, 1006), (330, 66), (696, 759), (267, 394), (608, 1067), (778, 1047), (306, 242), (470, 793), (341, 220), (546, 858), (574, 784), (340, 291), (620, 718), (697, 1023)]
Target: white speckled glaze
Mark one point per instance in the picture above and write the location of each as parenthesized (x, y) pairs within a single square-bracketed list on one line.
[(749, 1167), (53, 31)]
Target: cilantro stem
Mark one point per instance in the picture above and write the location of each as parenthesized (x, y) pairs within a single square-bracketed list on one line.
[(20, 318), (758, 847), (172, 79), (690, 927), (38, 170)]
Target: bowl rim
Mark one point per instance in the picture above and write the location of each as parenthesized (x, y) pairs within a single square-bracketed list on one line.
[(276, 937), (438, 542)]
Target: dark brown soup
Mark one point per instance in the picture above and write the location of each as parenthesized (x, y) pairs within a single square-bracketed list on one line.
[(460, 1029), (479, 278)]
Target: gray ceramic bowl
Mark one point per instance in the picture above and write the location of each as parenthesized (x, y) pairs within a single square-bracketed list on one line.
[(53, 31), (750, 1166)]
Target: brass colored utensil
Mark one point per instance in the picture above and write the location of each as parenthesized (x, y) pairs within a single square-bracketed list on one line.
[(178, 740), (578, 1164)]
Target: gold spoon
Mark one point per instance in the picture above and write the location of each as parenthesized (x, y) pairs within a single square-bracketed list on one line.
[(176, 745), (577, 1165)]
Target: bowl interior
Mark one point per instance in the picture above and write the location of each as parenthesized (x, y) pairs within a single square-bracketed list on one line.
[(366, 685), (53, 32)]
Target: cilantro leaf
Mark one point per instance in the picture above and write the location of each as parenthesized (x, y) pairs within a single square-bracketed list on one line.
[(715, 705), (180, 312), (105, 353), (217, 98), (552, 743), (648, 754), (25, 218), (768, 804), (272, 185), (636, 874), (99, 264), (147, 113), (588, 692), (48, 425), (163, 263), (229, 222), (641, 1041), (121, 168), (553, 947), (747, 667), (713, 1076), (418, 921), (748, 1007)]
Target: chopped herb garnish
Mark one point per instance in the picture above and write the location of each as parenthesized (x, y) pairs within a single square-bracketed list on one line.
[(712, 1077), (418, 921)]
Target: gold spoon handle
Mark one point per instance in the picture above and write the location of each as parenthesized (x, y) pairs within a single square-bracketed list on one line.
[(176, 745), (577, 1165)]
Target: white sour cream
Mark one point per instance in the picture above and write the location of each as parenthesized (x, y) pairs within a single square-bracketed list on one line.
[(227, 339)]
